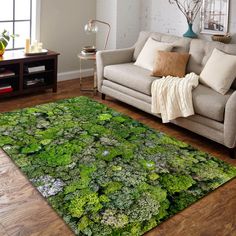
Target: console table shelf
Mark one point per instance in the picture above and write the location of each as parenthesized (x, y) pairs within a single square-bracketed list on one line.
[(14, 73)]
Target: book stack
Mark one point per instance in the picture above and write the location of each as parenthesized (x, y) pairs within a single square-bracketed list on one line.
[(34, 69), (89, 51), (5, 89), (5, 76), (34, 82), (6, 73)]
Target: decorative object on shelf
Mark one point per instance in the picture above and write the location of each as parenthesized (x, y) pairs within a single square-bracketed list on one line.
[(222, 38), (92, 27), (35, 49), (190, 9), (43, 52), (214, 17), (4, 40), (27, 45)]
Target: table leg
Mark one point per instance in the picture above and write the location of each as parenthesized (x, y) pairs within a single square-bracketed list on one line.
[(95, 79), (94, 88), (80, 74)]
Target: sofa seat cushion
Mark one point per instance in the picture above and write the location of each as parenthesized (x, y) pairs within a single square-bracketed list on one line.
[(131, 76), (210, 103), (206, 102)]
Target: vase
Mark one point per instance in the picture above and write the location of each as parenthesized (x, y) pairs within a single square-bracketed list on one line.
[(2, 52), (190, 33)]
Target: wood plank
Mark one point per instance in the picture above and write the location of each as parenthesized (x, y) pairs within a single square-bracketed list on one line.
[(23, 211), (3, 232), (213, 215)]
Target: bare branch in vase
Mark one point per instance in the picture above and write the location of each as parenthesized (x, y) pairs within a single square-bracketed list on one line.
[(189, 8)]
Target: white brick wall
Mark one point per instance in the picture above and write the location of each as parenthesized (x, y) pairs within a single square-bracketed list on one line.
[(129, 17), (160, 16), (128, 22), (124, 17)]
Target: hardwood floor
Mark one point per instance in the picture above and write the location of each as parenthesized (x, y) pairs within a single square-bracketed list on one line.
[(24, 212)]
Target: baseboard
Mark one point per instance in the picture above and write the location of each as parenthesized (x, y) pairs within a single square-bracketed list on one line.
[(74, 74)]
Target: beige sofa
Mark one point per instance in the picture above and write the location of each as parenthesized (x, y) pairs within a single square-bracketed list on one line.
[(215, 114)]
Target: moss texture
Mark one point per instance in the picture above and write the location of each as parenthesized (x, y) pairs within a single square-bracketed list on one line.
[(103, 172)]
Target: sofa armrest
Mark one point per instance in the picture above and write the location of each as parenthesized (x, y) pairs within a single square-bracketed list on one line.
[(111, 57), (230, 122)]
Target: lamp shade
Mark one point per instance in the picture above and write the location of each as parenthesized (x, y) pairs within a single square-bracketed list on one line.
[(91, 27)]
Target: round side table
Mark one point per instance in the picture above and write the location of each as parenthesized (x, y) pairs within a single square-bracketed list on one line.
[(88, 58)]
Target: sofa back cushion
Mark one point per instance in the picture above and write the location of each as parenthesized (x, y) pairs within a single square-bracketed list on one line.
[(201, 50), (180, 44), (147, 56)]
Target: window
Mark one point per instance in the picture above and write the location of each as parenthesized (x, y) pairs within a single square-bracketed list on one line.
[(20, 17)]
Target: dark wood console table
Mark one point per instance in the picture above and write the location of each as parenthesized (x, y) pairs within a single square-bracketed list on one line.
[(17, 73)]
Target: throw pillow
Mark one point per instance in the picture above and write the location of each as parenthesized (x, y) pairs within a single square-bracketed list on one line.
[(170, 63), (219, 71), (147, 55)]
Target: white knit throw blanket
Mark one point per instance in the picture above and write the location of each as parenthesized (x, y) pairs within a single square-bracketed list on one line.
[(172, 96)]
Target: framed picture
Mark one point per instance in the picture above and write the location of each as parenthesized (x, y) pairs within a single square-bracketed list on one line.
[(214, 17)]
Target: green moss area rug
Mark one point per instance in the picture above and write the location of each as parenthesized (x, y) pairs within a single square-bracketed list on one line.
[(103, 172)]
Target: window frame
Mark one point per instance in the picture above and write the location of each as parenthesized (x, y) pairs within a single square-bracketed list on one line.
[(35, 7)]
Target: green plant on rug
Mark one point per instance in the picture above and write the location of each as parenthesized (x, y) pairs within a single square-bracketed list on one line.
[(103, 172)]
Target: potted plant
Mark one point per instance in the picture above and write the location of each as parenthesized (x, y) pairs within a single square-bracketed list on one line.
[(190, 9), (4, 40)]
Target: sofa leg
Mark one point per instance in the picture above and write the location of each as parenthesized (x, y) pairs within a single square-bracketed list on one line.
[(103, 96), (232, 152)]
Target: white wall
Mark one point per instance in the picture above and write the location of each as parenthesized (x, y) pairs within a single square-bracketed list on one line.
[(106, 11), (128, 22), (62, 29), (155, 17), (162, 17), (124, 18), (62, 24), (129, 17)]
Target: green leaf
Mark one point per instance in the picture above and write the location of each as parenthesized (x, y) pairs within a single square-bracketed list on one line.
[(4, 31), (32, 148), (5, 140), (4, 42), (177, 183), (46, 141), (6, 37), (148, 165), (105, 117), (2, 47)]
